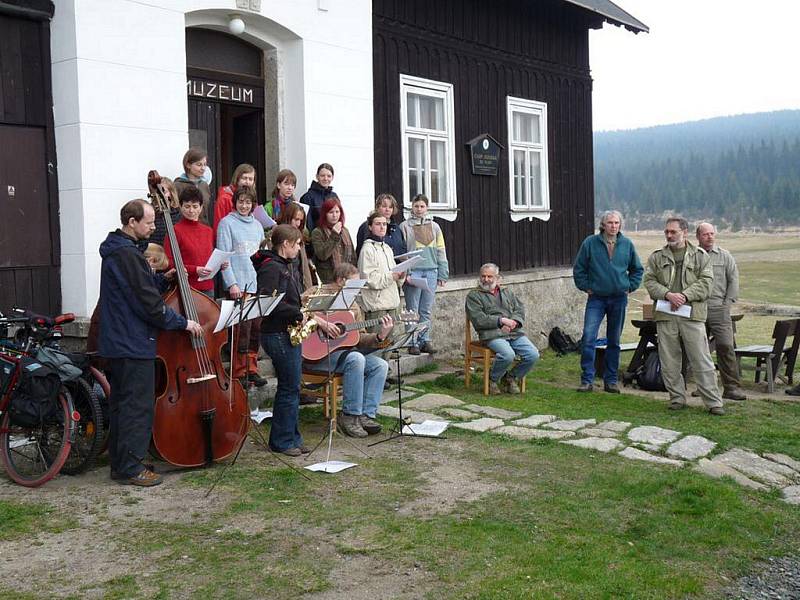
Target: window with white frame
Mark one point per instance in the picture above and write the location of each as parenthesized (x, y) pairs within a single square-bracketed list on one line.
[(426, 109), (527, 158)]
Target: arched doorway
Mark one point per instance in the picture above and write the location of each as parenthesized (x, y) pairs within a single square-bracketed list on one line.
[(225, 88)]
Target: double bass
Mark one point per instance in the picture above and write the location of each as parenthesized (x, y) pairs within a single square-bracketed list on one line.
[(201, 414)]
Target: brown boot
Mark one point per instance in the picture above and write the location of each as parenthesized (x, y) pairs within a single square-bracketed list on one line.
[(350, 425)]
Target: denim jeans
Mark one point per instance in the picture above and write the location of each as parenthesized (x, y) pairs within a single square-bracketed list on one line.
[(363, 376), (286, 359), (421, 301), (613, 309), (505, 349)]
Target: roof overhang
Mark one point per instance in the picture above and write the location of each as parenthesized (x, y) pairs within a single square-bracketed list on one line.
[(611, 13)]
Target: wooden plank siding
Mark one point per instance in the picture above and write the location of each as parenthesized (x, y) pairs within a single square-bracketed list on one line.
[(30, 271), (488, 51)]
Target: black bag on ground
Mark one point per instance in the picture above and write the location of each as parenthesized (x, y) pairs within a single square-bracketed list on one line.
[(648, 376), (562, 343), (34, 400)]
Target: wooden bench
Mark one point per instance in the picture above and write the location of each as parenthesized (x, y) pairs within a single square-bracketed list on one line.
[(476, 352), (780, 356)]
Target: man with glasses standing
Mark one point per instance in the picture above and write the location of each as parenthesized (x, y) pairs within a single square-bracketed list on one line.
[(681, 275)]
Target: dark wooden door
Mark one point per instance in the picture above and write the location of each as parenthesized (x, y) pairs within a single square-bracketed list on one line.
[(204, 132)]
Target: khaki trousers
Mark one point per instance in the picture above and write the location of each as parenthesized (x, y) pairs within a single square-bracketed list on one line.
[(693, 334), (719, 325)]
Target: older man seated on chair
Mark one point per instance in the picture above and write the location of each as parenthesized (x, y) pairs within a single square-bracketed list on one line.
[(363, 371), (498, 316)]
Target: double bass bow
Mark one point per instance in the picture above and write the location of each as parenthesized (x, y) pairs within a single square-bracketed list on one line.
[(201, 414)]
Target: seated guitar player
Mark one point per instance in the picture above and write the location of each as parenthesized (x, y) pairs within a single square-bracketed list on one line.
[(363, 371)]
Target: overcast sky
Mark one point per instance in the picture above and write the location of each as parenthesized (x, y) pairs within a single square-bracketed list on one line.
[(702, 58)]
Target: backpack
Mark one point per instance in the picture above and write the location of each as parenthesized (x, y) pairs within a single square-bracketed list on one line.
[(648, 376), (561, 342), (34, 400)]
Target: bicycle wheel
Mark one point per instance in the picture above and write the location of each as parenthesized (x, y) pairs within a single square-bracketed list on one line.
[(89, 431), (34, 455), (102, 390)]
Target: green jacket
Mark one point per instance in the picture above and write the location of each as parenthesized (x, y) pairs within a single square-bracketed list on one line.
[(696, 279), (485, 313)]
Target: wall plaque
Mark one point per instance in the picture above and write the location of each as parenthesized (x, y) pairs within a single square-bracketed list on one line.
[(485, 154)]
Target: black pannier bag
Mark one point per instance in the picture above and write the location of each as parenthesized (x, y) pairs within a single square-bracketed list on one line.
[(7, 368), (648, 376), (562, 343), (34, 400)]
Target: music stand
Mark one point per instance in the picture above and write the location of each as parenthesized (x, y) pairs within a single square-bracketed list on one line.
[(341, 300), (404, 340)]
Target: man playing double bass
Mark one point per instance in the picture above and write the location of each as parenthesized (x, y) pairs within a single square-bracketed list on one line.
[(131, 313)]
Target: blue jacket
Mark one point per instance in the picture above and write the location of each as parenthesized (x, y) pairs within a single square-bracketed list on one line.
[(593, 270), (314, 198), (131, 308)]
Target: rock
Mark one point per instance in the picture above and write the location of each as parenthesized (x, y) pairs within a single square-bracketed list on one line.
[(492, 411), (433, 401), (636, 454), (484, 424), (784, 460), (719, 470), (573, 425), (459, 413), (595, 432), (526, 433), (416, 416), (602, 444), (691, 447), (535, 420), (618, 426), (653, 435), (791, 494), (752, 465)]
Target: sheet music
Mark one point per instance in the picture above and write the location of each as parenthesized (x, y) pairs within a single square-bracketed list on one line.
[(260, 215), (407, 264), (259, 415), (331, 466), (427, 428), (348, 294), (408, 254), (665, 307), (254, 307), (215, 262), (420, 283)]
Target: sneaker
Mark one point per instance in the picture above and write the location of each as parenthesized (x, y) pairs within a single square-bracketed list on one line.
[(427, 348), (717, 410), (257, 380), (289, 451), (793, 391), (370, 425), (494, 389), (350, 426), (414, 351), (611, 388), (677, 405), (510, 385), (585, 387), (734, 394), (116, 476), (146, 478)]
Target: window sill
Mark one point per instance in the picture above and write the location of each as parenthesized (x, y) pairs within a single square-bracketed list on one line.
[(520, 214), (448, 214)]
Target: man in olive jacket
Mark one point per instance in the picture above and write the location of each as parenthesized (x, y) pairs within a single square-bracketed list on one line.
[(681, 275), (498, 316)]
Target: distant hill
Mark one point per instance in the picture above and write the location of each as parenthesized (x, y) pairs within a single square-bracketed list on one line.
[(737, 171)]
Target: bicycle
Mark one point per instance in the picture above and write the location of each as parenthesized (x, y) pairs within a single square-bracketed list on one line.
[(31, 452)]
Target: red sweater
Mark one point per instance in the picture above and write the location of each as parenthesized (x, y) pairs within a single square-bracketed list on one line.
[(196, 242), (223, 204)]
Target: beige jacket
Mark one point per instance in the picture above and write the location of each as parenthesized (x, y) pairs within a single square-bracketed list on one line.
[(375, 264)]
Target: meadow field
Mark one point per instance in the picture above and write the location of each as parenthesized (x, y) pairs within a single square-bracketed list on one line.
[(475, 515)]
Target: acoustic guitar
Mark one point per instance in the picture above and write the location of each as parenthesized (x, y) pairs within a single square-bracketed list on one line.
[(318, 345)]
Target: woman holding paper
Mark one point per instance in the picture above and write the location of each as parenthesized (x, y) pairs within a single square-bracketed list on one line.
[(331, 240), (241, 234), (381, 295)]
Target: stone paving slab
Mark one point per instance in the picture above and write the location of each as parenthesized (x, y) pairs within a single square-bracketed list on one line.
[(526, 433), (636, 454), (784, 460), (433, 401), (484, 424), (719, 470), (598, 433), (391, 395), (535, 420), (653, 435), (617, 426), (602, 444), (761, 469), (791, 494), (459, 413), (416, 416), (492, 411), (572, 425), (691, 447), (647, 447)]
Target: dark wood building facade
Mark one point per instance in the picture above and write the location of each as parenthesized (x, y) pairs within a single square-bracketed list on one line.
[(30, 254), (536, 50)]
